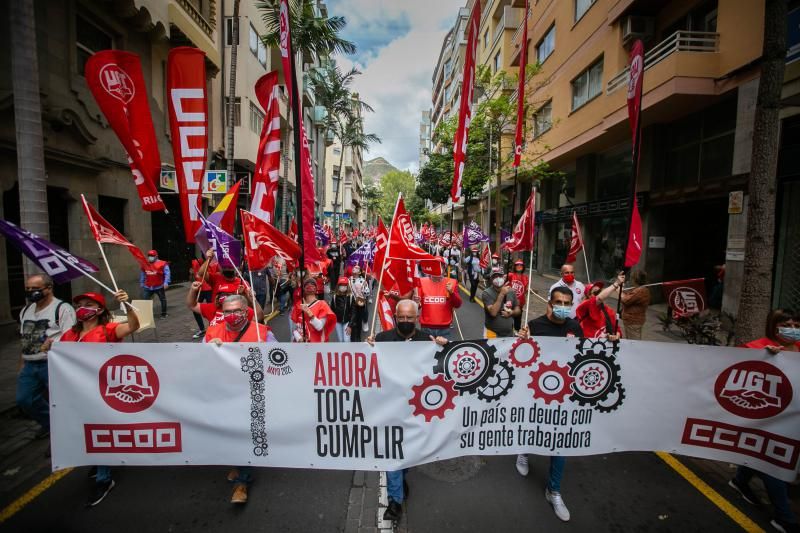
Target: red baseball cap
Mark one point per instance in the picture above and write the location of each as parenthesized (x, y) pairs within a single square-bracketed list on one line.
[(591, 286), (152, 252), (519, 262), (495, 256), (342, 281), (93, 296)]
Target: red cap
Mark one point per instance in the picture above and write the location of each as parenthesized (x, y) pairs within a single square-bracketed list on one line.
[(342, 281), (152, 252), (495, 256), (591, 286), (93, 296), (519, 262)]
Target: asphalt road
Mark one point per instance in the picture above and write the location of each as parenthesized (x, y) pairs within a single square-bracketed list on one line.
[(615, 493)]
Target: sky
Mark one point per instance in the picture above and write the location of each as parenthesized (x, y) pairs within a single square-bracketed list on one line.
[(398, 44)]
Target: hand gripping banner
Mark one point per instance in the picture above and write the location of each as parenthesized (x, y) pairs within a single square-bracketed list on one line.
[(350, 406), (188, 123), (115, 79)]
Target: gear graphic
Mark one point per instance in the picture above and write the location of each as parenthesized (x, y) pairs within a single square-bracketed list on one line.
[(551, 382), (596, 376), (468, 364), (433, 397), (598, 346), (524, 352), (277, 357), (498, 384), (607, 408)]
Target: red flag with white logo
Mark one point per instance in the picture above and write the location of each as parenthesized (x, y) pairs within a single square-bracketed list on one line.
[(576, 241), (262, 241), (402, 241), (635, 237), (685, 297), (486, 258), (105, 233), (633, 250), (264, 187), (465, 109), (523, 62), (115, 80), (188, 123), (386, 313), (522, 238)]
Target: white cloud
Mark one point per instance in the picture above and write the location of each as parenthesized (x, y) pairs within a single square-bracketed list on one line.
[(396, 78)]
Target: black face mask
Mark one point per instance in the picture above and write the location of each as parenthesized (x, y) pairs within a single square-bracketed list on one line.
[(406, 328), (34, 296), (228, 273)]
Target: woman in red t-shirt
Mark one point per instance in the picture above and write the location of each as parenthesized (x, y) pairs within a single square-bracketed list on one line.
[(95, 325), (320, 320)]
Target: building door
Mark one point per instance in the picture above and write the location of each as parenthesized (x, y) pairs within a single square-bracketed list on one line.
[(170, 241)]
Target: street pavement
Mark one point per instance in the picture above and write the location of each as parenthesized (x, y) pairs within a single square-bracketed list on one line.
[(615, 493)]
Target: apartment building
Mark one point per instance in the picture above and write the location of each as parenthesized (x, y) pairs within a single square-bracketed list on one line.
[(345, 171), (424, 137), (448, 72)]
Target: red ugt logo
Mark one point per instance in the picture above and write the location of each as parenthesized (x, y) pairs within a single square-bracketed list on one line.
[(128, 383), (753, 389)]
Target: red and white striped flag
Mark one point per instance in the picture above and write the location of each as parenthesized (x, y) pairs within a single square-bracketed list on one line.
[(104, 232), (386, 313), (264, 186)]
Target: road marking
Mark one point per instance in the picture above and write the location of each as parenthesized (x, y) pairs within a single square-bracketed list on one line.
[(715, 497), (17, 505), (463, 288), (271, 316)]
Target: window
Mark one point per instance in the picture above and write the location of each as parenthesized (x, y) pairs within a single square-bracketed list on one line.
[(448, 68), (587, 85), (581, 7), (237, 111), (229, 32), (486, 39), (89, 38), (262, 53), (256, 119), (253, 40), (542, 119), (496, 63), (546, 45)]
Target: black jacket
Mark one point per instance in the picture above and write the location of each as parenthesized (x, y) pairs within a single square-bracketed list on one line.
[(344, 308)]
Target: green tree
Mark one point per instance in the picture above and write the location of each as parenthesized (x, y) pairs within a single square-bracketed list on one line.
[(372, 198), (312, 34), (393, 183)]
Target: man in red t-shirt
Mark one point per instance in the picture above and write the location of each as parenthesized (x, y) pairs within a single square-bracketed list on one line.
[(595, 317), (438, 300), (212, 312)]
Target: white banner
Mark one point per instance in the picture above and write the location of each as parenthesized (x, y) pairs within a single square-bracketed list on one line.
[(349, 406)]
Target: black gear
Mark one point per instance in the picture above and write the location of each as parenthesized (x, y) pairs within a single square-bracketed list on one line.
[(256, 375), (479, 348), (599, 363), (615, 404), (277, 357), (499, 383), (597, 346)]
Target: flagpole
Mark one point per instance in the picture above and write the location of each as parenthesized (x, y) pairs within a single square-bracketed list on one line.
[(253, 296), (513, 210), (383, 266), (530, 259), (99, 245)]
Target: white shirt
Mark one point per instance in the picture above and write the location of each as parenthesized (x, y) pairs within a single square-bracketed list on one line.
[(578, 293), (38, 326)]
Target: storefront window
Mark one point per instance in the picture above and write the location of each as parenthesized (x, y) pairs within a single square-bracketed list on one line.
[(609, 251)]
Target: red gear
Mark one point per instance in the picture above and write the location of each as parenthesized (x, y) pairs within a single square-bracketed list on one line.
[(552, 370), (465, 366), (524, 363), (427, 409)]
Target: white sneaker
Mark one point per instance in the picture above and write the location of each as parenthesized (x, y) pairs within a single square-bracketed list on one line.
[(558, 504), (522, 464)]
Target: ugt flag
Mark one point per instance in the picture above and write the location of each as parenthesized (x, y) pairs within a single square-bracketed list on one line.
[(473, 234)]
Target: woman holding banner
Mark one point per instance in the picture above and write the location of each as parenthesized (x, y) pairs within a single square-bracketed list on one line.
[(95, 325)]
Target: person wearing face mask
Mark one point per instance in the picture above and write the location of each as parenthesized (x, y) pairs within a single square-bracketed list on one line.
[(155, 279), (500, 306), (556, 322), (472, 270), (360, 289), (518, 281), (41, 322), (782, 335), (344, 308), (313, 319), (212, 312), (222, 275), (596, 318), (405, 330), (576, 287), (491, 267), (438, 299), (237, 327), (95, 325), (334, 254)]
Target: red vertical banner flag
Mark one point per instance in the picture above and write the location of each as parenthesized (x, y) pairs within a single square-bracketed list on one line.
[(523, 63), (576, 241), (264, 186), (305, 185), (522, 238), (465, 108), (188, 122), (633, 251), (115, 80)]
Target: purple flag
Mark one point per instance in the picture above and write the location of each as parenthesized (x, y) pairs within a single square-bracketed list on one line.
[(504, 235), (473, 234), (225, 245), (58, 263), (363, 255), (320, 234)]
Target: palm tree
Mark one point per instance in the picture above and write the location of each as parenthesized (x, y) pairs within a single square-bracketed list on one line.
[(28, 122), (351, 136), (317, 36)]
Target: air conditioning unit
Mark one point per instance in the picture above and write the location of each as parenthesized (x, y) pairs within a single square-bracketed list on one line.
[(637, 27)]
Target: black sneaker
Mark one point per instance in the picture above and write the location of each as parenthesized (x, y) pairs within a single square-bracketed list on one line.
[(99, 493), (744, 491), (200, 333), (164, 316), (393, 512), (784, 526), (92, 473)]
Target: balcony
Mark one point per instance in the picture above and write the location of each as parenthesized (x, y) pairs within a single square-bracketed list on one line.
[(693, 42), (320, 114), (510, 20), (189, 27), (308, 93)]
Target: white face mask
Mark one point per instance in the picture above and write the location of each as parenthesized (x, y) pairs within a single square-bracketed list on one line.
[(499, 281)]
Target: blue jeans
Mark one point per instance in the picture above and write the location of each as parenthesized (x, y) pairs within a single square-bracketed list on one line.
[(32, 390), (103, 474), (340, 334), (147, 294), (777, 491), (556, 472), (394, 485), (438, 332)]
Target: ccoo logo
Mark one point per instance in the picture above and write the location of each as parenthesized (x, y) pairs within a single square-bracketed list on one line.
[(753, 389), (128, 383)]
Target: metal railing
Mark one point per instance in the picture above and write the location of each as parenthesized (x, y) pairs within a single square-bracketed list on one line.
[(196, 16), (680, 41)]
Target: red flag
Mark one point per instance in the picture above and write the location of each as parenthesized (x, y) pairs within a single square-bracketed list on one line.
[(262, 241), (115, 80), (386, 313), (402, 243), (486, 258), (293, 230), (342, 236), (264, 187), (635, 83), (188, 123), (523, 62), (576, 242), (305, 185), (381, 240), (522, 239), (634, 250), (465, 109), (685, 297), (106, 233)]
